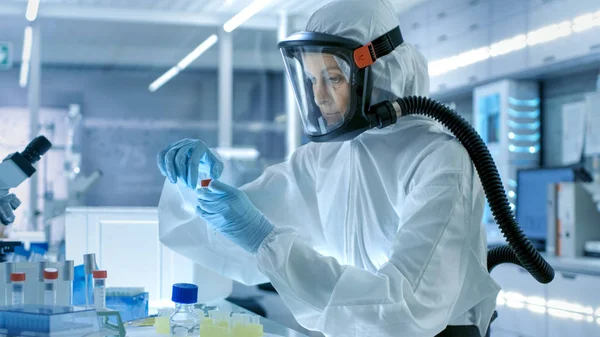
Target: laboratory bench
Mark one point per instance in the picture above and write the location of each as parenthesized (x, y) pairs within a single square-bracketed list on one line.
[(271, 329), (567, 306)]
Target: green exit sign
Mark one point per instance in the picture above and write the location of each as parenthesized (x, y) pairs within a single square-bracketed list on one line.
[(5, 55)]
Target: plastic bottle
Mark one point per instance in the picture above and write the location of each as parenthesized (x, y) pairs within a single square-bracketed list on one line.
[(50, 277), (184, 322), (99, 289), (18, 288)]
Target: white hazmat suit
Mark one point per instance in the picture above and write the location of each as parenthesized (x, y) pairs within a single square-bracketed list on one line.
[(377, 236)]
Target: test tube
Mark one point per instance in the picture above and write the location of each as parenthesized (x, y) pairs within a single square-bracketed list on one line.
[(89, 265), (9, 268), (50, 277), (18, 288), (240, 325), (255, 329), (68, 276), (42, 265), (100, 289), (161, 322)]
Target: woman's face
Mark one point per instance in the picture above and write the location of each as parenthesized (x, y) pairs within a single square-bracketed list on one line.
[(330, 87)]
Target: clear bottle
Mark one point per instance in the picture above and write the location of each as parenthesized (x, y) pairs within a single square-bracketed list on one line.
[(184, 322), (99, 289), (50, 277), (18, 288)]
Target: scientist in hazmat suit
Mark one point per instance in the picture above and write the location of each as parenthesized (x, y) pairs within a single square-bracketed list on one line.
[(364, 231)]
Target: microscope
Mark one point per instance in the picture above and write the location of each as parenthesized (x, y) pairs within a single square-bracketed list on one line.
[(14, 170)]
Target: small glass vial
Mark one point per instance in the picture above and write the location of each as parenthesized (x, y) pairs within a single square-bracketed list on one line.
[(50, 277), (18, 288), (184, 322), (99, 289)]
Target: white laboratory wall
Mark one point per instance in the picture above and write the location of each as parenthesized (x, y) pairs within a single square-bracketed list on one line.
[(445, 28), (557, 92)]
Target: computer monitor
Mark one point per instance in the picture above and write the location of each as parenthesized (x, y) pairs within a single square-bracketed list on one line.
[(532, 199)]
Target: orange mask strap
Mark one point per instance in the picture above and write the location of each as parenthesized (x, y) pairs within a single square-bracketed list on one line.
[(366, 55)]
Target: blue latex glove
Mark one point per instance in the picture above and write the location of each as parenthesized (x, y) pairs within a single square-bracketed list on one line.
[(188, 160), (230, 212), (8, 204)]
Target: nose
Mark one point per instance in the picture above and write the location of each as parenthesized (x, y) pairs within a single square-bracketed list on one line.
[(322, 94)]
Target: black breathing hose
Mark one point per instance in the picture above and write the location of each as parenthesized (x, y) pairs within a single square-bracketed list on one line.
[(519, 250)]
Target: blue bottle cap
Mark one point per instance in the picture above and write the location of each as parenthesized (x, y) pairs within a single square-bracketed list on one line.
[(185, 293)]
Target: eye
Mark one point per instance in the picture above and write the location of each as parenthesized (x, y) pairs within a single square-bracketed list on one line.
[(335, 79)]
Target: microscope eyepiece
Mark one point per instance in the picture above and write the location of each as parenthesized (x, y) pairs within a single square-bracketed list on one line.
[(36, 148)]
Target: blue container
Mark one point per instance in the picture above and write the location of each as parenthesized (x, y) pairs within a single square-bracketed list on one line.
[(79, 286), (47, 321), (131, 305)]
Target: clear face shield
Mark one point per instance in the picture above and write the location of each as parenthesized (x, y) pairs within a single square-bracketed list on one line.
[(322, 82), (331, 77)]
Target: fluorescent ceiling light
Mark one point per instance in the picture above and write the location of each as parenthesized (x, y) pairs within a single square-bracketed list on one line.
[(24, 75), (549, 33), (32, 10), (585, 22), (184, 63), (473, 56), (442, 66), (164, 78), (509, 45), (191, 57), (245, 14), (26, 56), (539, 36)]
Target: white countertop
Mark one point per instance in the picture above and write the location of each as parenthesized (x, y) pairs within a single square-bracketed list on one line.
[(583, 265), (150, 332)]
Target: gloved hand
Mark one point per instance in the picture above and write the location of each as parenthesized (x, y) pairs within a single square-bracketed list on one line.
[(188, 160), (8, 204), (229, 211)]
